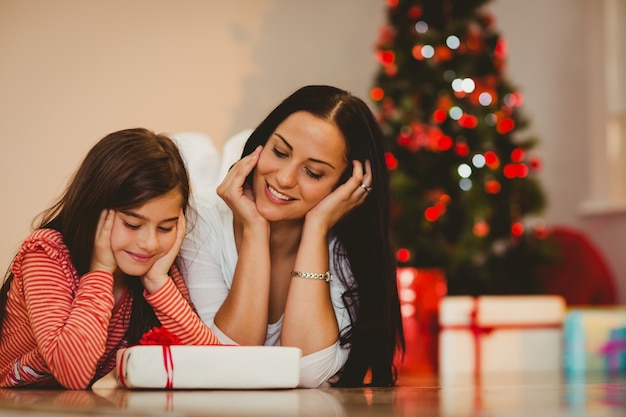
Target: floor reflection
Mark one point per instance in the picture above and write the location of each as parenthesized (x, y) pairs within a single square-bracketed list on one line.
[(511, 395)]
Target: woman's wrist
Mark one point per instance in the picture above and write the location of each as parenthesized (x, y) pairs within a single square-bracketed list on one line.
[(313, 229)]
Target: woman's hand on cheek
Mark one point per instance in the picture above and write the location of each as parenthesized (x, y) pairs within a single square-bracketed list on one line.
[(158, 274), (102, 258), (236, 193), (342, 199)]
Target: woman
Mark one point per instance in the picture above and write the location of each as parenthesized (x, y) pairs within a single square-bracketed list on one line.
[(300, 255)]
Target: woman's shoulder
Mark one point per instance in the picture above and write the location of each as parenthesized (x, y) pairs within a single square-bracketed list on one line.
[(207, 200), (209, 208)]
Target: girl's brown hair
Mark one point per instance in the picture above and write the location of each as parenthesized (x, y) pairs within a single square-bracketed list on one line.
[(123, 170)]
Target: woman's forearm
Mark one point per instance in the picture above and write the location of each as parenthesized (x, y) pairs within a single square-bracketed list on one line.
[(243, 316), (309, 322)]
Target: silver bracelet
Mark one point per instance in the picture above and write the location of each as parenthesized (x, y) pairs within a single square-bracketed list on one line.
[(327, 276)]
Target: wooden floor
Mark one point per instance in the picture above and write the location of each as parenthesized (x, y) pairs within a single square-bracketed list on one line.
[(505, 395)]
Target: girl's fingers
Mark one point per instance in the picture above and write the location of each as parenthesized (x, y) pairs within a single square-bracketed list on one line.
[(181, 227), (102, 257)]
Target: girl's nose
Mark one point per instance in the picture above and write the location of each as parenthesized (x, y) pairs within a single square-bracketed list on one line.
[(148, 240)]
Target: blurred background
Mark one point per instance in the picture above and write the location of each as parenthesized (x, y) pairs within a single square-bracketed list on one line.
[(72, 71)]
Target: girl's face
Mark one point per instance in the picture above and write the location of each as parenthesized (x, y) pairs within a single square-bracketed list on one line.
[(143, 234), (300, 164)]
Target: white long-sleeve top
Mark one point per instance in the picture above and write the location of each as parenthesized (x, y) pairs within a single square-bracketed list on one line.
[(208, 259)]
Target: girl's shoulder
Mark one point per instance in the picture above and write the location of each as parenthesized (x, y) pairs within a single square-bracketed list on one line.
[(44, 236), (48, 240)]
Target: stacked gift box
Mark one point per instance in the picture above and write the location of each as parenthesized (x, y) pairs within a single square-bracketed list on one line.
[(594, 340), (500, 334), (494, 335)]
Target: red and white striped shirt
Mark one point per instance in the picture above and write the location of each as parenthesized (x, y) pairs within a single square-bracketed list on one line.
[(60, 328)]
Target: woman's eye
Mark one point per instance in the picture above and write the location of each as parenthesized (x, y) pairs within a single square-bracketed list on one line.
[(313, 174), (166, 229), (278, 153), (131, 226)]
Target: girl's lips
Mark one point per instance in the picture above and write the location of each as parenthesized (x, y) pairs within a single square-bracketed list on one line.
[(140, 258)]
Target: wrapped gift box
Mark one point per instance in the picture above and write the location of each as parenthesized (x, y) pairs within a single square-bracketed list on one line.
[(420, 292), (208, 367), (480, 335), (595, 340)]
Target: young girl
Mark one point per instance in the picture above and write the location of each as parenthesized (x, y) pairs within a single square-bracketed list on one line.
[(98, 272), (300, 255)]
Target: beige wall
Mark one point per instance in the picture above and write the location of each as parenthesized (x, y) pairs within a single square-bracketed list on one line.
[(73, 70), (554, 51)]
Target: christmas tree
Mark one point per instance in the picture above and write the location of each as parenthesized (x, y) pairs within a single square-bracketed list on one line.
[(466, 197)]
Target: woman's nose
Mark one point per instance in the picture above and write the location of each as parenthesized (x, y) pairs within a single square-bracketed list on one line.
[(286, 176)]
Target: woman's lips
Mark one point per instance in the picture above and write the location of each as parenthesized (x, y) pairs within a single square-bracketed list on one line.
[(276, 195)]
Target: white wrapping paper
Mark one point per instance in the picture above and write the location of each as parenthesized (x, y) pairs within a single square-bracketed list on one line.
[(500, 334), (208, 367)]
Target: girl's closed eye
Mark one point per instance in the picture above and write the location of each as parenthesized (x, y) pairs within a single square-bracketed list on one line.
[(130, 226), (166, 229)]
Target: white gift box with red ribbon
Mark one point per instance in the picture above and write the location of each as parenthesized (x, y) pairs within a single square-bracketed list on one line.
[(508, 333), (208, 367)]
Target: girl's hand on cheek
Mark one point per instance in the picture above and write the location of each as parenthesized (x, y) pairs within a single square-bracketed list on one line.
[(342, 199), (102, 258), (158, 274)]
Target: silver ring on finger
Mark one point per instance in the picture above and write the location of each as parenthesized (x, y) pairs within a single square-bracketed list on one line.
[(365, 187)]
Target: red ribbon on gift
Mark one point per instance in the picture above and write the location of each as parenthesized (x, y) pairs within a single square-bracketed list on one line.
[(168, 362), (161, 336), (157, 336), (479, 331)]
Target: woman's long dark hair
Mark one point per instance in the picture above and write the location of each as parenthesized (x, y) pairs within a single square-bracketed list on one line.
[(123, 170), (375, 336)]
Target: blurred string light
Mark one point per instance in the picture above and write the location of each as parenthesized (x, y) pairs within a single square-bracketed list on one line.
[(478, 160), (463, 85), (455, 112), (480, 228), (453, 42), (421, 27), (485, 99), (464, 171), (427, 51), (403, 255), (465, 184)]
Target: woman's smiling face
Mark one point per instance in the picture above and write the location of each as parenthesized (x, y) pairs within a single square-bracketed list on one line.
[(300, 164)]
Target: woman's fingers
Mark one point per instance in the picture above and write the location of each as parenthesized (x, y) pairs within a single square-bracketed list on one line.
[(344, 198), (234, 181)]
